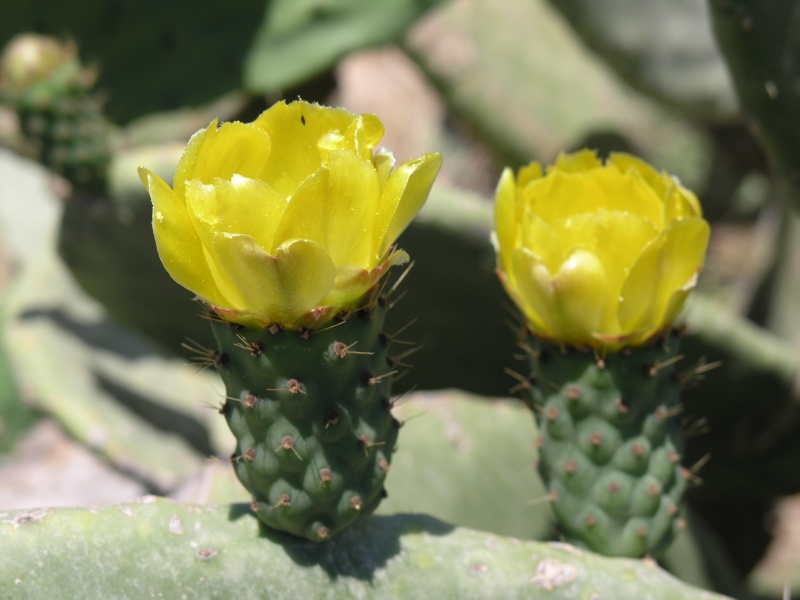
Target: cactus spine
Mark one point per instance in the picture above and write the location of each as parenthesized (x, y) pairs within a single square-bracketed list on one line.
[(610, 445), (311, 412)]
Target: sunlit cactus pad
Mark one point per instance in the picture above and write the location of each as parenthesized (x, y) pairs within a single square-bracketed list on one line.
[(610, 445), (311, 411), (161, 549)]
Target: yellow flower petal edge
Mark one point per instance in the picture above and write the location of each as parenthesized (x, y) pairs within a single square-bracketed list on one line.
[(289, 220), (597, 254)]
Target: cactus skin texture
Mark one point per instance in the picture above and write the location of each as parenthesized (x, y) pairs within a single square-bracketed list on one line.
[(311, 412), (610, 445), (161, 549), (60, 114)]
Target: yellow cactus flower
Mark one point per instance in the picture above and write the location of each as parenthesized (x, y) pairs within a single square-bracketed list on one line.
[(594, 254), (288, 219)]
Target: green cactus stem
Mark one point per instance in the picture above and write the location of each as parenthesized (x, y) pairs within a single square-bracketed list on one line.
[(311, 412), (610, 446)]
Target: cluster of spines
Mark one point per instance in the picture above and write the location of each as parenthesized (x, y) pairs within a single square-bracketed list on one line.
[(609, 443), (311, 411)]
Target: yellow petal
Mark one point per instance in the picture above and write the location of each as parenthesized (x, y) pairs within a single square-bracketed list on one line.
[(281, 287), (351, 284), (629, 192), (306, 133), (669, 263), (201, 202), (540, 239), (529, 173), (335, 208), (249, 206), (561, 194), (578, 162), (402, 197), (678, 201), (384, 163), (569, 304), (506, 220), (177, 242), (616, 239), (233, 148)]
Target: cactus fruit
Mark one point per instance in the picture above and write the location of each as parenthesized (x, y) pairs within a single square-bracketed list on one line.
[(60, 114), (609, 444), (311, 412)]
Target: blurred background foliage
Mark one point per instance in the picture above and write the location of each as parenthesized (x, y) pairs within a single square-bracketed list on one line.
[(92, 367)]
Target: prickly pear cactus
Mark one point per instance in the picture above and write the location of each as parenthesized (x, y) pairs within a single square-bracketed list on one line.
[(60, 115), (311, 412), (609, 444)]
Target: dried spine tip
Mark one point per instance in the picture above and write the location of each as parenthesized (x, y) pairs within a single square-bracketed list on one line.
[(253, 348), (295, 387), (250, 454), (250, 400), (323, 533), (284, 500), (325, 475), (255, 506), (356, 503), (366, 443)]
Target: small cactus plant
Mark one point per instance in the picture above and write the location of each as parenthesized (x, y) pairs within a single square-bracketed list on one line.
[(600, 259), (61, 116), (284, 228)]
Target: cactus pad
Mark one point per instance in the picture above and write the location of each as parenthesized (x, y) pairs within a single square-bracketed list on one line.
[(311, 412), (610, 444)]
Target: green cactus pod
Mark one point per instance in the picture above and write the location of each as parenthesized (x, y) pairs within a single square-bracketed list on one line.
[(311, 412), (610, 444)]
